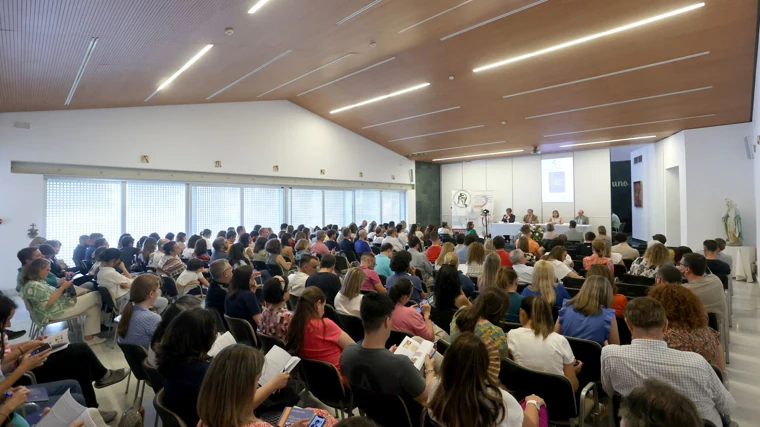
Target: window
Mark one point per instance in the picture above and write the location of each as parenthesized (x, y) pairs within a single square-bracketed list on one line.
[(263, 206), (339, 207), (368, 205), (76, 207), (215, 208), (306, 207), (392, 207), (154, 207)]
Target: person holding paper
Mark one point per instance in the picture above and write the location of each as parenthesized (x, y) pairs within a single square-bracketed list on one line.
[(118, 284), (138, 322)]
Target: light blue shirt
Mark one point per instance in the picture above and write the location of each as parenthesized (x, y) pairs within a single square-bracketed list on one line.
[(383, 265), (142, 324)]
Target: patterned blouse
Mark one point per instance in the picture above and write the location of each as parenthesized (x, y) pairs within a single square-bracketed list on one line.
[(641, 267), (495, 340), (703, 341), (171, 266), (275, 322), (474, 270), (594, 259), (38, 292)]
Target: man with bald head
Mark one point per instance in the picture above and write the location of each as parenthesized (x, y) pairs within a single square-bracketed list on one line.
[(361, 246), (581, 219)]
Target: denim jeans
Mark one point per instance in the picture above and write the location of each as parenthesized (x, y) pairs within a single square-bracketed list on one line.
[(56, 389)]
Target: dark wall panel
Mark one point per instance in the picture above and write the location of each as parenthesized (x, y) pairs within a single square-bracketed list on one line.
[(620, 177), (427, 190)]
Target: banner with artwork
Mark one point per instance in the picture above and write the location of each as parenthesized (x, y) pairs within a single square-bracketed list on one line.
[(468, 205)]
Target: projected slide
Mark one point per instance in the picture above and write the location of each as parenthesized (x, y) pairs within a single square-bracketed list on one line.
[(557, 180)]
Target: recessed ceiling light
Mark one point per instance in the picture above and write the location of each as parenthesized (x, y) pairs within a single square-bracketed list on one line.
[(348, 75), (536, 3), (609, 140), (469, 156), (181, 70), (434, 16), (380, 98), (437, 133), (591, 37), (85, 61), (418, 153), (257, 6), (353, 15), (304, 75), (412, 117), (250, 73), (632, 124)]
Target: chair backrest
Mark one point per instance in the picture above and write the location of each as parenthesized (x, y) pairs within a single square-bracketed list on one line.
[(441, 346), (324, 382), (375, 249), (156, 379), (620, 270), (637, 280), (628, 263), (590, 353), (268, 341), (442, 318), (350, 255), (131, 418), (388, 410), (168, 418), (572, 282), (135, 354), (352, 325), (396, 338), (556, 390), (330, 314), (508, 326), (87, 264), (623, 332), (712, 322), (241, 330), (260, 265), (341, 263), (220, 325), (108, 304), (632, 291), (275, 269), (293, 301), (723, 278), (718, 372)]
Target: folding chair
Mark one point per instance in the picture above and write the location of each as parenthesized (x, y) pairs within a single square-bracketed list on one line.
[(135, 355), (352, 325), (168, 418), (326, 384), (241, 330)]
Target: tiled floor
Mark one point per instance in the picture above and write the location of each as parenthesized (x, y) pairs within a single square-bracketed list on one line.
[(743, 371)]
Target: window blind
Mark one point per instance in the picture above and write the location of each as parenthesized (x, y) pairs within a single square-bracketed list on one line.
[(263, 206), (155, 207), (368, 205), (306, 207), (392, 206), (215, 208), (339, 207)]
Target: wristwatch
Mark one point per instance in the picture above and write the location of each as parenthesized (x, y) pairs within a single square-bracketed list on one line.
[(535, 403)]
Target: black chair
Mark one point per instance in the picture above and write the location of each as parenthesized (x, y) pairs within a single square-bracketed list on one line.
[(275, 270), (135, 355), (169, 287), (109, 306), (628, 263), (326, 384), (623, 331), (590, 353), (712, 322), (620, 270), (352, 325), (156, 379), (350, 256), (268, 341), (396, 338), (260, 266), (637, 280), (221, 327), (341, 263), (632, 291), (330, 314), (442, 318), (388, 410), (383, 279), (375, 249), (572, 282), (441, 346), (168, 418), (508, 326), (241, 330), (87, 265), (718, 372)]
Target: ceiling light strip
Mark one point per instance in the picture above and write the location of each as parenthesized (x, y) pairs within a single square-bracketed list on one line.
[(412, 117), (670, 61), (591, 37), (435, 16), (437, 133), (536, 3), (348, 75), (257, 6), (85, 61), (380, 98), (635, 138), (663, 95), (633, 124), (187, 65), (250, 73), (469, 156), (456, 148), (304, 75), (358, 12)]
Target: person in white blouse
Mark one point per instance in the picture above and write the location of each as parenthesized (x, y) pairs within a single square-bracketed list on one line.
[(349, 299), (445, 229), (555, 218), (393, 240), (118, 285)]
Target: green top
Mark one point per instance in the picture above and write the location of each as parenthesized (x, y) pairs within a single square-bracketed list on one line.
[(471, 231), (37, 293)]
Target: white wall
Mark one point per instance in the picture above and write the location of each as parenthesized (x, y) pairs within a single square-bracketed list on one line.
[(516, 183), (755, 132), (248, 137)]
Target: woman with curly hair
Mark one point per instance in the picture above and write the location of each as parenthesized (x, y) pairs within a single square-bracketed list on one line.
[(687, 323)]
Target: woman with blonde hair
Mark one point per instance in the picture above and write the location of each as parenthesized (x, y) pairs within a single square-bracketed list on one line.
[(489, 246), (656, 255), (451, 259), (349, 299), (490, 270), (476, 256), (302, 248), (523, 244), (603, 234), (445, 249), (545, 285), (589, 315), (37, 241), (619, 301)]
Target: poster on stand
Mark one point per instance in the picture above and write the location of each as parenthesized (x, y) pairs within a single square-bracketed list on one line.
[(468, 205)]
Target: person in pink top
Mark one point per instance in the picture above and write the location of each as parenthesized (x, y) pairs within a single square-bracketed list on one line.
[(312, 336), (372, 282), (598, 247), (408, 319), (319, 246)]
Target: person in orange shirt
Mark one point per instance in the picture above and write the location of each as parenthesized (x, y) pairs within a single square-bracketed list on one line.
[(534, 247), (434, 250)]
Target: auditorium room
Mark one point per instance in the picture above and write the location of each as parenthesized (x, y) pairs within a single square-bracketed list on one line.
[(379, 213)]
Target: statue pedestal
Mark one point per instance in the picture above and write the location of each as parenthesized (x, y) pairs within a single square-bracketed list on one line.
[(743, 257)]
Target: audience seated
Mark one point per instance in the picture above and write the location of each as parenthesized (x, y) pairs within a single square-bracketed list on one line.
[(26, 256), (536, 346), (419, 259), (360, 245), (96, 241), (275, 256), (347, 244), (476, 256), (190, 281), (461, 248), (679, 252), (626, 367), (656, 404), (533, 246), (508, 280), (466, 283), (557, 258), (687, 323), (330, 241), (237, 257), (482, 318), (221, 276), (138, 322), (319, 247), (372, 282), (447, 248), (187, 253), (707, 287), (308, 265), (584, 249), (623, 248), (383, 260), (587, 315), (287, 243), (716, 265), (220, 249), (524, 272), (619, 301), (655, 256), (400, 264), (312, 336), (572, 232), (259, 252), (170, 265), (498, 246), (201, 250), (276, 317), (550, 233), (723, 256), (491, 268), (369, 367), (523, 243), (445, 229), (448, 289), (181, 304), (414, 320), (349, 299), (661, 239), (241, 301), (434, 250), (602, 230), (597, 257), (80, 251), (545, 286), (467, 395), (302, 248), (326, 279)]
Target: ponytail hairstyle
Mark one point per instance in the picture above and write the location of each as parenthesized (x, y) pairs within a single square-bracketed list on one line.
[(306, 310), (140, 291), (543, 281), (539, 312), (6, 308), (200, 248), (492, 304), (149, 247)]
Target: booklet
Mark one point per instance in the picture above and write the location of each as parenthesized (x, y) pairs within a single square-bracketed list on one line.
[(65, 412), (277, 360), (222, 342), (416, 352), (59, 341), (292, 414)]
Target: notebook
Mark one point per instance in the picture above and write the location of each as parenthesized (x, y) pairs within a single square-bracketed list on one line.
[(277, 360)]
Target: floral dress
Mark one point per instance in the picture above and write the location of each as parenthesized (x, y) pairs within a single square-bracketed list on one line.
[(641, 267), (495, 340), (703, 341)]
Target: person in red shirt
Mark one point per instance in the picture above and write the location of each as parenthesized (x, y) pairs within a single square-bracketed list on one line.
[(499, 243), (434, 250), (372, 283)]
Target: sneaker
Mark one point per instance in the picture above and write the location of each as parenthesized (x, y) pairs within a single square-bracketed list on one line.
[(12, 335), (108, 416), (95, 341), (112, 377)]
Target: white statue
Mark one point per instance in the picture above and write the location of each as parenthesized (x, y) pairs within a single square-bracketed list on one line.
[(732, 223)]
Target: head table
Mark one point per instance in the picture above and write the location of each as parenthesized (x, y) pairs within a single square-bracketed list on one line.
[(511, 229)]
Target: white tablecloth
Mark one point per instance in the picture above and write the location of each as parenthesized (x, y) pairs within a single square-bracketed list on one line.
[(511, 229), (743, 257)]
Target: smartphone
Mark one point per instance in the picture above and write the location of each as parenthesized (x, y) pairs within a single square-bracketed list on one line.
[(40, 349), (419, 308), (317, 421)]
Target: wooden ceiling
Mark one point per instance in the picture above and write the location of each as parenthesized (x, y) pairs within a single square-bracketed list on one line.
[(706, 78)]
